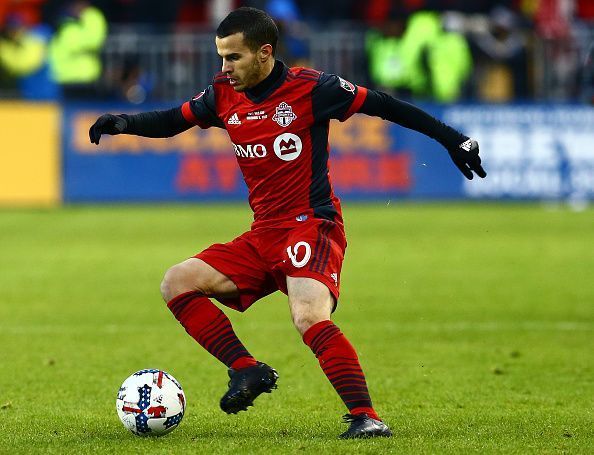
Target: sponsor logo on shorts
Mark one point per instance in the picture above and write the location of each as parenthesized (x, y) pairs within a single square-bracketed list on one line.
[(288, 146)]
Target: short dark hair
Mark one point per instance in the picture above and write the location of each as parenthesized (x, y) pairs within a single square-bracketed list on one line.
[(257, 27)]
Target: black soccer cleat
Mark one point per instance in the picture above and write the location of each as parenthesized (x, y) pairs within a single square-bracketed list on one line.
[(362, 426), (246, 385)]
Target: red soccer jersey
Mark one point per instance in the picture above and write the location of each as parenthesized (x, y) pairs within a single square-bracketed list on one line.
[(280, 137)]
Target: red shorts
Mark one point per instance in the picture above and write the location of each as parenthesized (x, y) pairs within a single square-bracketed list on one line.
[(259, 261)]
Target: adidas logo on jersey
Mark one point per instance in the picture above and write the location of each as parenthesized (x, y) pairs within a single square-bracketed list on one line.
[(234, 120), (466, 145)]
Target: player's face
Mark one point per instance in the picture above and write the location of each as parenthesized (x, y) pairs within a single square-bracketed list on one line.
[(244, 67)]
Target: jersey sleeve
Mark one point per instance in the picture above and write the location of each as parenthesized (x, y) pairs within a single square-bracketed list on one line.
[(201, 110), (382, 105), (336, 98)]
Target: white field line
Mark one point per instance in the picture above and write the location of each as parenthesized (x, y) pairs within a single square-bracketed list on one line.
[(460, 326)]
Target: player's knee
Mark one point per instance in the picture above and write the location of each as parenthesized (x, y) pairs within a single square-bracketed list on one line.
[(167, 285), (306, 314), (302, 324), (175, 282), (305, 321), (310, 305)]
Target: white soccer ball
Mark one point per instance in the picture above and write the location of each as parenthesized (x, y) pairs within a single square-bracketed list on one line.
[(151, 403)]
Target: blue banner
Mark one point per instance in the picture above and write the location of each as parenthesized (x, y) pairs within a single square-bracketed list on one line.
[(529, 152)]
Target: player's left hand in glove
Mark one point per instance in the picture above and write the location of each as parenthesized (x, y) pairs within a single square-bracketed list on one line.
[(466, 157), (107, 124)]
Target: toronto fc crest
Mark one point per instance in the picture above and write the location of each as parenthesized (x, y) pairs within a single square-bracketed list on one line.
[(284, 114)]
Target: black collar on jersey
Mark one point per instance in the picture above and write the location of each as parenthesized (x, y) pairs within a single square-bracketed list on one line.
[(274, 80)]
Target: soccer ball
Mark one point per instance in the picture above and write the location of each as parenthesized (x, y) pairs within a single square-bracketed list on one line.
[(151, 403)]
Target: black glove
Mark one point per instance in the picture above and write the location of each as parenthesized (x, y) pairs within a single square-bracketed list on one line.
[(107, 124), (466, 157)]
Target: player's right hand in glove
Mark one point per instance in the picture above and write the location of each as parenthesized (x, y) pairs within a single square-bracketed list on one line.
[(466, 157), (107, 124)]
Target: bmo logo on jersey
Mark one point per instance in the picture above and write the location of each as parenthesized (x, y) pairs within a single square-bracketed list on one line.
[(249, 150), (288, 146)]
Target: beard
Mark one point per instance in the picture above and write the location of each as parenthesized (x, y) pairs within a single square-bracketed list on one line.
[(252, 77)]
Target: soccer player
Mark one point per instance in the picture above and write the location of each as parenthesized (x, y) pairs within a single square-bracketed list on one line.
[(278, 118)]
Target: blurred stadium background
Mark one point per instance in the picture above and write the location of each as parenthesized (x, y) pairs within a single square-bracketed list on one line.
[(517, 74)]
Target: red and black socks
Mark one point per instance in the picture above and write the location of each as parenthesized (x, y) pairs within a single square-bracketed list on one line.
[(340, 363), (209, 326)]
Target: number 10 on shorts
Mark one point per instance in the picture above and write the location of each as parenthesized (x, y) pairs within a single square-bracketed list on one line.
[(300, 248)]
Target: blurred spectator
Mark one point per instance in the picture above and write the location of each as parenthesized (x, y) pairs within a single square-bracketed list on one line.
[(151, 14), (219, 9), (448, 65), (501, 54), (387, 68), (553, 18), (128, 82), (585, 10), (23, 52), (28, 11), (553, 22), (475, 6), (423, 60), (588, 76), (324, 11), (192, 12), (293, 46), (74, 52), (207, 12)]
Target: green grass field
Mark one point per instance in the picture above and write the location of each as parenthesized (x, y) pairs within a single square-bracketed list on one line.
[(474, 324)]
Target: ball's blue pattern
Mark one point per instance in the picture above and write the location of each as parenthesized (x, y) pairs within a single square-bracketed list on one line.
[(145, 397), (141, 419), (173, 420), (138, 373), (142, 424)]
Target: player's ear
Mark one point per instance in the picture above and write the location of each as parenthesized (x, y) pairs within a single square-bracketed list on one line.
[(265, 52)]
